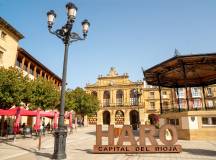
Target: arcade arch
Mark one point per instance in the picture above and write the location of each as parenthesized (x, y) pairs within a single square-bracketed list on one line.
[(106, 117)]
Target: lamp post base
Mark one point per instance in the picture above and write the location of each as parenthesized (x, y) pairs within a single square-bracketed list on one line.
[(60, 144)]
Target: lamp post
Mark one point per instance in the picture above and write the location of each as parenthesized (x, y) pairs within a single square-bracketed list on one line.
[(67, 36), (138, 93)]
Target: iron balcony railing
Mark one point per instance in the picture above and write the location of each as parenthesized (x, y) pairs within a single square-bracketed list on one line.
[(191, 108), (122, 104)]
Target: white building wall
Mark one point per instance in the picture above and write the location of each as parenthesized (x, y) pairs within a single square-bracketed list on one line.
[(193, 122), (190, 122)]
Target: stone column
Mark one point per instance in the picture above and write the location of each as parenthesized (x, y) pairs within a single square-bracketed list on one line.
[(142, 115), (128, 97), (53, 80), (100, 117), (112, 117), (124, 97), (126, 101), (127, 117), (111, 97), (35, 72), (114, 97), (28, 69), (23, 62), (100, 97), (41, 73)]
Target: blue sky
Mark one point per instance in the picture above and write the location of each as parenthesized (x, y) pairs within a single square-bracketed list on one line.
[(125, 34)]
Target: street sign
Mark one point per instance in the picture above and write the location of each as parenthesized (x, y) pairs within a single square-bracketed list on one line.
[(127, 143)]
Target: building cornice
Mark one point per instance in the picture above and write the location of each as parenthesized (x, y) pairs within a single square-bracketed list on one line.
[(113, 77), (6, 25), (133, 84)]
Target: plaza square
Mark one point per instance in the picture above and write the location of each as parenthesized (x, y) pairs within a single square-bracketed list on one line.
[(112, 80)]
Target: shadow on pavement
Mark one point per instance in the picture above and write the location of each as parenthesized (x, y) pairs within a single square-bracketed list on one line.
[(31, 150), (48, 155), (90, 151), (92, 133), (11, 138), (203, 152)]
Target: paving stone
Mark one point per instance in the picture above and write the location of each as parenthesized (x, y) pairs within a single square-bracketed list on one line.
[(80, 145)]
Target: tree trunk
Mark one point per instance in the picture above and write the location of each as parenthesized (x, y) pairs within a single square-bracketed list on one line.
[(2, 125), (82, 115)]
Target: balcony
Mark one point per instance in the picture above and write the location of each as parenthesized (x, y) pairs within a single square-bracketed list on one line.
[(181, 96), (169, 110), (119, 101), (165, 96), (209, 95), (123, 105), (151, 97), (151, 109), (134, 101), (106, 102), (196, 95)]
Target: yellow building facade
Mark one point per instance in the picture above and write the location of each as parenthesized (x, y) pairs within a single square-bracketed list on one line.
[(12, 55), (125, 102), (9, 38)]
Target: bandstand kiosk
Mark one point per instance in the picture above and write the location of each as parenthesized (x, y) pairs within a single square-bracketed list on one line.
[(186, 72)]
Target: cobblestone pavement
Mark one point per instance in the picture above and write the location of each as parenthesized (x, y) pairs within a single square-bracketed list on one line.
[(81, 141)]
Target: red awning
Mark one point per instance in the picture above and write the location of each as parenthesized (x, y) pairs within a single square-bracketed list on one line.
[(3, 112), (47, 114), (23, 112)]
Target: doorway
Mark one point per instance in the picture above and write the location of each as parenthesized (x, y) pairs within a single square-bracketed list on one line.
[(134, 119), (106, 117)]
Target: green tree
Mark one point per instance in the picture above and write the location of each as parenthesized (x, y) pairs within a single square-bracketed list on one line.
[(44, 94), (13, 87), (81, 102)]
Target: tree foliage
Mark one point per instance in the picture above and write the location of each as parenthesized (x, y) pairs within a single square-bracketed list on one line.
[(13, 87), (81, 102), (44, 94)]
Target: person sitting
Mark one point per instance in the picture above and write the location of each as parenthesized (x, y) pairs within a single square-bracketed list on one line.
[(48, 127), (43, 129), (23, 128)]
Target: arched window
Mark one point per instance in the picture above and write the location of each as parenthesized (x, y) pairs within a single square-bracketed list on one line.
[(106, 99), (119, 97), (134, 97), (106, 117), (134, 119)]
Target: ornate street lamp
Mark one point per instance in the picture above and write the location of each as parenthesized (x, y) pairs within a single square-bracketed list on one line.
[(67, 36), (138, 93)]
